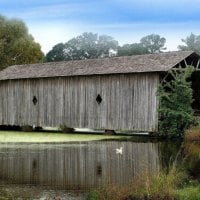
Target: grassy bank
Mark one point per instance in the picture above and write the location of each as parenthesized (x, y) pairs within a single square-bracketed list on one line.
[(164, 186), (188, 193), (146, 187), (37, 137)]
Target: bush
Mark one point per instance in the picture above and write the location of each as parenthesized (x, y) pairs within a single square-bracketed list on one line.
[(175, 111), (93, 195)]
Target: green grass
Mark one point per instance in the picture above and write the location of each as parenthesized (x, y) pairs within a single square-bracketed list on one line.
[(146, 187), (37, 137), (189, 193)]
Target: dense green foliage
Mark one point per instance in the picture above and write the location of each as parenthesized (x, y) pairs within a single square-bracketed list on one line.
[(175, 112), (192, 42), (17, 46), (57, 53), (85, 46), (149, 44), (132, 49)]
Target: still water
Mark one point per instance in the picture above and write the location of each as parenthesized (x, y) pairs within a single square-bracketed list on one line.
[(81, 166)]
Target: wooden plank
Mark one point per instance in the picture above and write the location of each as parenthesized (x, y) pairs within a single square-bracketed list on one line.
[(128, 102)]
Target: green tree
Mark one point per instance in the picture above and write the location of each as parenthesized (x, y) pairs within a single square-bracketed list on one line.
[(105, 45), (17, 46), (56, 54), (192, 42), (132, 49), (85, 46), (154, 43), (175, 111)]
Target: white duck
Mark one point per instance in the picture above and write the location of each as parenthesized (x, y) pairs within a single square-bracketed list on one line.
[(119, 151)]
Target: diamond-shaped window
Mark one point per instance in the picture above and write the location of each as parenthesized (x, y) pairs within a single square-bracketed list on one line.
[(99, 99), (35, 100)]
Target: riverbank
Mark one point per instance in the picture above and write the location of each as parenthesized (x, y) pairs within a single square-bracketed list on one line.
[(30, 192), (44, 137), (174, 185)]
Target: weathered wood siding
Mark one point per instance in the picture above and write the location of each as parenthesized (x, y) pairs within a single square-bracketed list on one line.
[(128, 101), (77, 165)]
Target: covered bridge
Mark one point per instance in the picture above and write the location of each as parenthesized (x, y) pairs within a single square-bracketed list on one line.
[(118, 93)]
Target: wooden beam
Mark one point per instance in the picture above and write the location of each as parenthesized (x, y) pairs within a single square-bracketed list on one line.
[(185, 63), (198, 64)]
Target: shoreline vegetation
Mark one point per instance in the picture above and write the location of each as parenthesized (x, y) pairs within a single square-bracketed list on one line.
[(193, 134), (180, 182), (172, 185)]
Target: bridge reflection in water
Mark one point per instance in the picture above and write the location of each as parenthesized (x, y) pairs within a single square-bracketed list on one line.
[(77, 165)]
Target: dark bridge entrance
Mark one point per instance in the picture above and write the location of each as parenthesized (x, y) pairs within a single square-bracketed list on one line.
[(196, 92)]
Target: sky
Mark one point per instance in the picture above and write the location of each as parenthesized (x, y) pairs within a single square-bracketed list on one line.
[(54, 21)]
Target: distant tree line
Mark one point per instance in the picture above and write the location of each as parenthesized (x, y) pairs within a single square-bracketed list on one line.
[(91, 45), (17, 46)]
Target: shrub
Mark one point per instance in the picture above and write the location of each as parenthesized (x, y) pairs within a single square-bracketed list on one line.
[(175, 111), (93, 195)]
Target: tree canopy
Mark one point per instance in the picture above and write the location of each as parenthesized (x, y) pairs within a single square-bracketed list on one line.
[(149, 44), (154, 43), (192, 42), (90, 45), (85, 46), (57, 53), (132, 49), (17, 46)]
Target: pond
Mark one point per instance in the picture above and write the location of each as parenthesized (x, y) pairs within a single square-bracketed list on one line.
[(57, 168)]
